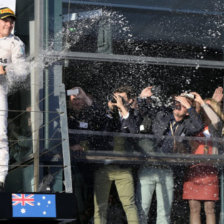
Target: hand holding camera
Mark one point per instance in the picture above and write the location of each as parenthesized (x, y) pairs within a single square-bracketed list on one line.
[(183, 101), (79, 93), (197, 98), (117, 101)]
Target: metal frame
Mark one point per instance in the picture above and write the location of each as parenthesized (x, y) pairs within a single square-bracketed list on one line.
[(65, 142), (35, 78), (148, 8), (57, 56), (101, 57), (41, 43)]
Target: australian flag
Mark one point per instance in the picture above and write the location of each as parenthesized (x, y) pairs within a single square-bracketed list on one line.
[(34, 205)]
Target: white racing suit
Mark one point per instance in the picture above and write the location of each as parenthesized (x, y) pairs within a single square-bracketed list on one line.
[(12, 55)]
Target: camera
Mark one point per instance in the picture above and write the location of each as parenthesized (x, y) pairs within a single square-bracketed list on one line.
[(156, 90), (72, 92), (188, 95), (113, 100)]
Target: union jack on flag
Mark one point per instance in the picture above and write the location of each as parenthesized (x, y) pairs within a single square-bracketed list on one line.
[(34, 205), (23, 199)]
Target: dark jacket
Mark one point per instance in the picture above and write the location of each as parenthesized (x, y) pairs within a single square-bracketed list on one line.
[(90, 118), (146, 112), (116, 124), (189, 126)]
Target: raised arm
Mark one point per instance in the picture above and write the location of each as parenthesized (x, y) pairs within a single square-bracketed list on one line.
[(213, 117)]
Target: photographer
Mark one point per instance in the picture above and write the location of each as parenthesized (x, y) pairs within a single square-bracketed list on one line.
[(183, 120), (83, 114), (121, 111), (120, 119), (148, 104)]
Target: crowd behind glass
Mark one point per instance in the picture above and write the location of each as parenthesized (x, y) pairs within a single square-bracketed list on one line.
[(171, 123)]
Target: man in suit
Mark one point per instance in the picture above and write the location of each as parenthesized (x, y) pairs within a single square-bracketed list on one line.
[(120, 119)]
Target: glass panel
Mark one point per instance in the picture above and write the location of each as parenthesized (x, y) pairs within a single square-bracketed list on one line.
[(109, 159), (158, 29), (100, 78), (25, 14), (20, 135), (21, 169), (53, 134), (104, 156), (179, 4), (36, 110), (20, 179)]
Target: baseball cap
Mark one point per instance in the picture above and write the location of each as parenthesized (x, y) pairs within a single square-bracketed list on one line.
[(6, 12)]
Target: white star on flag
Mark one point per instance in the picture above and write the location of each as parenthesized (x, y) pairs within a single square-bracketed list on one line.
[(35, 205), (23, 210)]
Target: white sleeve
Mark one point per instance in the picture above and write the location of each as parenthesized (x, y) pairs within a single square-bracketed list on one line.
[(18, 69), (213, 117)]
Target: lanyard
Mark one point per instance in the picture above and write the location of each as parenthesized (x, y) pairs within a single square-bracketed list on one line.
[(171, 127), (173, 130)]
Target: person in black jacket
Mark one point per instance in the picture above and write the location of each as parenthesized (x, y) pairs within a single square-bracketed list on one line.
[(148, 104), (120, 119), (182, 121), (84, 114)]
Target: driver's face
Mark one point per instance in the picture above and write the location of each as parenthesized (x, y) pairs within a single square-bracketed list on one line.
[(6, 26)]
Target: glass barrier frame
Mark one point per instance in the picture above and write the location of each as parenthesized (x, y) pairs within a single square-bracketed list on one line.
[(99, 57)]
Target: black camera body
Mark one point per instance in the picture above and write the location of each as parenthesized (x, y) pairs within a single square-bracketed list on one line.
[(156, 90), (113, 100)]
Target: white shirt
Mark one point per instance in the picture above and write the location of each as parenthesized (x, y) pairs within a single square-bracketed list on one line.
[(12, 55)]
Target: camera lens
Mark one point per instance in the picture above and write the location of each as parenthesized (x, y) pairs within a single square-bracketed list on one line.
[(111, 98), (156, 90), (176, 105)]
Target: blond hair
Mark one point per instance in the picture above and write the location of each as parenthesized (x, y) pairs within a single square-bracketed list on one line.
[(216, 107)]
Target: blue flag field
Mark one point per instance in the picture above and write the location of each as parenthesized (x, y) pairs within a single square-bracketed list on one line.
[(34, 205)]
